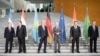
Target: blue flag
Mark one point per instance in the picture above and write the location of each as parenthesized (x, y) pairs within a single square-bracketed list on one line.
[(10, 17), (35, 27), (62, 26)]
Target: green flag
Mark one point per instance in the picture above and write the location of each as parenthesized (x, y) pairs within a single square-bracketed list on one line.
[(86, 26)]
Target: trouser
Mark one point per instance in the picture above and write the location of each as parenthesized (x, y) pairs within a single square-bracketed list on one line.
[(75, 40), (8, 41), (22, 46), (56, 45), (42, 40), (93, 41)]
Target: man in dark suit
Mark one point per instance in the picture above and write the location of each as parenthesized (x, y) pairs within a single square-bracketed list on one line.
[(21, 34), (43, 34), (9, 33), (75, 33), (93, 33)]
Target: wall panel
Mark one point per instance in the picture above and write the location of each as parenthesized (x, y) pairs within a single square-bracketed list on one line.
[(93, 6)]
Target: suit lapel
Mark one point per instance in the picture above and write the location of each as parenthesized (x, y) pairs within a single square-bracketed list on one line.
[(42, 28)]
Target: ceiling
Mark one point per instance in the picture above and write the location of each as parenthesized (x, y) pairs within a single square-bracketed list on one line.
[(5, 4), (17, 4), (40, 1)]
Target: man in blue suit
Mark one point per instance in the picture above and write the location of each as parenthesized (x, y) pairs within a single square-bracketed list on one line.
[(43, 34), (9, 33)]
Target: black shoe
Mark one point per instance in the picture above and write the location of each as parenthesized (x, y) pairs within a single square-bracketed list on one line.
[(55, 52), (72, 51), (95, 52), (5, 52), (19, 52), (38, 52), (78, 51), (59, 52), (24, 52), (91, 52), (45, 52), (10, 52)]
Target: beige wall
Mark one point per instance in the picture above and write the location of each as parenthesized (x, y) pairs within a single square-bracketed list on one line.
[(93, 6), (18, 4)]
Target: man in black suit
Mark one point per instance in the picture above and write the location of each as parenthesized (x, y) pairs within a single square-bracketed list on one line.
[(9, 33), (75, 33), (43, 34), (93, 34), (21, 34)]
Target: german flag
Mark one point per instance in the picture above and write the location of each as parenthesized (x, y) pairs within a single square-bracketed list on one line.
[(49, 28)]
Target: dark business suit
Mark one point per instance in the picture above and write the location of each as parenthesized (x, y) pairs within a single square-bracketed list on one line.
[(43, 34), (93, 34), (75, 33), (56, 39), (21, 33), (9, 34)]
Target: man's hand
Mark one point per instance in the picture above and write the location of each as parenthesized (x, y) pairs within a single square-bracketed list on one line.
[(89, 37), (26, 38), (39, 38), (71, 38)]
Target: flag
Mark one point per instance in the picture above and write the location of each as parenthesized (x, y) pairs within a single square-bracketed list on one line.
[(62, 26), (35, 27), (10, 18), (49, 28), (86, 26), (23, 20), (74, 16)]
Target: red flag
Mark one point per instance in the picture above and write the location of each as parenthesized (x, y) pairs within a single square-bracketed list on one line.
[(49, 27), (23, 17), (23, 20), (74, 16)]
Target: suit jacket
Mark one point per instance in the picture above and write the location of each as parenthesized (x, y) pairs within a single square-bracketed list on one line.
[(42, 33), (9, 33), (21, 32), (75, 33), (93, 33), (56, 30)]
